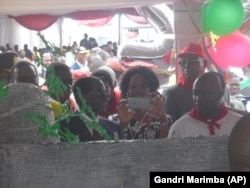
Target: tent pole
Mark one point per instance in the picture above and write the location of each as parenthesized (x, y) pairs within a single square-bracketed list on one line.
[(119, 29), (60, 31)]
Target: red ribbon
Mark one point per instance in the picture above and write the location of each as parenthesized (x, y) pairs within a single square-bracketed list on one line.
[(194, 113)]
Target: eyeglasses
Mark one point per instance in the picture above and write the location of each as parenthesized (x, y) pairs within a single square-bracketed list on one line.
[(190, 62)]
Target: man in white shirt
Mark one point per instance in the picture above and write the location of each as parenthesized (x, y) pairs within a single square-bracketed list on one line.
[(209, 117)]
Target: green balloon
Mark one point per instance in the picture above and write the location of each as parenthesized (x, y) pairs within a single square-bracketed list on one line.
[(204, 18), (225, 16)]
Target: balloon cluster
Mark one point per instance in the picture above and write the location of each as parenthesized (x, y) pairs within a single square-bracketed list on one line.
[(224, 18)]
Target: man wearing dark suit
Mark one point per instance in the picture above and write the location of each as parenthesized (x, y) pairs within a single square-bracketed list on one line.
[(85, 42), (179, 97), (90, 91)]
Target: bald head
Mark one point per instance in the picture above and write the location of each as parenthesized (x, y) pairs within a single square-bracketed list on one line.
[(239, 145), (24, 72), (208, 91), (212, 80), (92, 90)]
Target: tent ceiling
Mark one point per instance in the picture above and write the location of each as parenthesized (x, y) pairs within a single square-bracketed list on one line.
[(57, 7)]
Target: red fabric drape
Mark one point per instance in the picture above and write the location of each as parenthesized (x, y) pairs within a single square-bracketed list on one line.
[(137, 19), (36, 22), (96, 22), (90, 14), (91, 17)]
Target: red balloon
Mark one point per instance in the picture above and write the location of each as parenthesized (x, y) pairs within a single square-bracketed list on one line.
[(216, 58), (233, 50)]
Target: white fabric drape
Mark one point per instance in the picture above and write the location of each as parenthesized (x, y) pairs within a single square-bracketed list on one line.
[(13, 33), (24, 7)]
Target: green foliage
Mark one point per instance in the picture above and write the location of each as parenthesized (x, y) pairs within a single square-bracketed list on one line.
[(49, 46), (56, 87), (39, 62), (3, 90), (47, 130), (68, 136), (93, 121)]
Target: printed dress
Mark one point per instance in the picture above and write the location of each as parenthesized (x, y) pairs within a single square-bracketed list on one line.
[(140, 130)]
